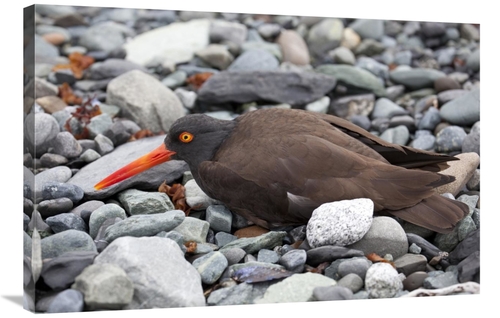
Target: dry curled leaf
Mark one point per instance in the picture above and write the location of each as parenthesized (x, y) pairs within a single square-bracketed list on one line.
[(177, 193), (143, 133), (77, 64), (378, 259), (66, 94), (197, 80)]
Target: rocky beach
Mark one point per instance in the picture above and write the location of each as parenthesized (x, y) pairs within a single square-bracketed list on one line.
[(102, 87)]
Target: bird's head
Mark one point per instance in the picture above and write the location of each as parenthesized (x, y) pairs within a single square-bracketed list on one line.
[(192, 138)]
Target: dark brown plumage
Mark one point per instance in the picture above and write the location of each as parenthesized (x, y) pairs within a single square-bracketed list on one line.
[(275, 166)]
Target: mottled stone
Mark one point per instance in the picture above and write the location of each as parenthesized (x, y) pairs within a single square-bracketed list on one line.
[(382, 281)]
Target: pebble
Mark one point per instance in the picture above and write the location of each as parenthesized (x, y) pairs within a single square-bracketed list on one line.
[(416, 78), (382, 281), (89, 206), (473, 61), (136, 202), (385, 236), (66, 221), (351, 281), (293, 47), (328, 293), (51, 104), (368, 28), (357, 78), (465, 248), (60, 272), (268, 256), (193, 229), (157, 284), (324, 36), (385, 108), (66, 241), (355, 265), (51, 160), (68, 300), (53, 207), (354, 105), (253, 244), (90, 155), (45, 128), (223, 238), (56, 190), (376, 68), (430, 120), (216, 55), (450, 139), (294, 260), (219, 217), (469, 268), (105, 36), (233, 255), (175, 79), (410, 263), (221, 31), (414, 280), (462, 110), (139, 95), (296, 288), (342, 55), (146, 225), (111, 68), (339, 223), (471, 142), (319, 106), (211, 266), (398, 135), (188, 98), (103, 213), (330, 253), (440, 281)]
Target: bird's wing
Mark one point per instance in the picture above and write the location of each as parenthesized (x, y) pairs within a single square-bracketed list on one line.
[(403, 156), (320, 171)]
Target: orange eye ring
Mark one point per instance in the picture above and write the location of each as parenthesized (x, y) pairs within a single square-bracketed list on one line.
[(186, 137)]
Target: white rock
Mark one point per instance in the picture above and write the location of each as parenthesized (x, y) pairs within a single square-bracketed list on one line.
[(382, 281), (196, 198), (175, 43), (340, 223)]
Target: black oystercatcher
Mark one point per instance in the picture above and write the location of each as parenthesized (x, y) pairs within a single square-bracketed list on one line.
[(275, 166)]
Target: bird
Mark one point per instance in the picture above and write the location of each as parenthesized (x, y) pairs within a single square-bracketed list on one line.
[(275, 166)]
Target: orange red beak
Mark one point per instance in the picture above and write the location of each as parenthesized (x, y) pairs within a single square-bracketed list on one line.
[(154, 158)]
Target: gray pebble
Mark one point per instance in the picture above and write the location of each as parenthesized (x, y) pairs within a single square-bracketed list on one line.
[(356, 265), (219, 217), (233, 255), (55, 190), (66, 145), (66, 221), (328, 293), (441, 280), (51, 160), (53, 207), (223, 238), (351, 281), (211, 266), (69, 300), (103, 144), (294, 260), (450, 139)]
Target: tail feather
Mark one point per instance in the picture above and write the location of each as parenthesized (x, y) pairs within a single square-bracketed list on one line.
[(436, 213)]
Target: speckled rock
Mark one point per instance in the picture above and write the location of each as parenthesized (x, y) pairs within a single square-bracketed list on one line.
[(340, 223), (382, 281)]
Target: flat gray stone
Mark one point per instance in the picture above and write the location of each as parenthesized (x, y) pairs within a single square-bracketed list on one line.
[(463, 110), (271, 86), (416, 78), (210, 266), (145, 225), (111, 68), (193, 229), (254, 60), (150, 179), (253, 244)]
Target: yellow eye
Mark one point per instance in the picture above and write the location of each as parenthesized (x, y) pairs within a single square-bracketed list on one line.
[(186, 137)]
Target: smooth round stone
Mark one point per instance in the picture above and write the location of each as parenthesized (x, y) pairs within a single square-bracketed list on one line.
[(69, 300), (53, 207), (90, 155), (416, 78), (272, 48), (176, 79), (329, 293), (398, 135), (294, 260), (293, 47), (449, 95), (445, 83), (45, 127), (319, 106), (450, 139), (463, 110), (66, 221), (102, 213), (471, 142), (51, 104), (223, 30), (368, 28), (369, 47), (357, 78), (382, 281), (66, 145), (51, 160), (219, 217), (386, 236), (351, 281), (325, 36), (350, 38), (414, 280), (361, 121), (223, 238), (268, 256), (55, 190), (342, 55), (430, 119), (339, 223), (254, 60), (66, 241), (234, 255), (111, 68), (104, 36), (376, 68), (385, 108), (424, 142), (356, 265), (216, 55)]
